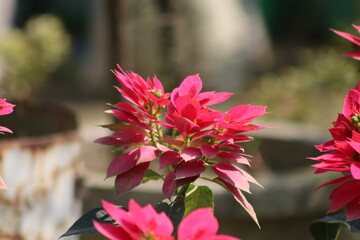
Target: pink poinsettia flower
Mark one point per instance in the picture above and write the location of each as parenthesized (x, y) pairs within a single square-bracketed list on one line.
[(144, 223), (139, 223), (353, 39), (201, 137)]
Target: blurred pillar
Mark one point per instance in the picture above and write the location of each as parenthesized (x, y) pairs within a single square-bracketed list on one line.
[(169, 20), (7, 8), (6, 15), (120, 33)]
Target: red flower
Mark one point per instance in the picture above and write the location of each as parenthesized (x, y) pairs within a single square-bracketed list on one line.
[(342, 154), (201, 137), (353, 39)]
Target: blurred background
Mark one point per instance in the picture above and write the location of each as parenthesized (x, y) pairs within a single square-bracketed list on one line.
[(277, 53)]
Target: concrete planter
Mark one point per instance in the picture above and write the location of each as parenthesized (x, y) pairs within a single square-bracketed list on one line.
[(39, 165)]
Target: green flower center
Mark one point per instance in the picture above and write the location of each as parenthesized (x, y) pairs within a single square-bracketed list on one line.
[(355, 120)]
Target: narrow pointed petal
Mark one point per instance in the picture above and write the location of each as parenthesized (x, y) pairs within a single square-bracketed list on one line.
[(334, 181), (5, 129), (231, 175), (240, 198), (347, 36), (354, 54)]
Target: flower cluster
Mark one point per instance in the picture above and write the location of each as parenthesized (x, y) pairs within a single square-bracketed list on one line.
[(5, 108), (342, 153), (182, 132), (144, 223)]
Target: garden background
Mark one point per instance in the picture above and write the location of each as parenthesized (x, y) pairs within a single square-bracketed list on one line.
[(276, 53)]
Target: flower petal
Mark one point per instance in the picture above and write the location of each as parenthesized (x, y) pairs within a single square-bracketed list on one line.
[(190, 153), (231, 175), (169, 184), (130, 179), (240, 198), (347, 36), (169, 158), (209, 151), (198, 225), (233, 157), (189, 169)]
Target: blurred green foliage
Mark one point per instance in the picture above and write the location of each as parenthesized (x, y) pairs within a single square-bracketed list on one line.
[(29, 55), (311, 92)]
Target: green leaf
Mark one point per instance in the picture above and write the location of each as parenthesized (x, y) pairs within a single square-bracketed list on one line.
[(198, 197), (151, 175), (173, 209), (328, 228)]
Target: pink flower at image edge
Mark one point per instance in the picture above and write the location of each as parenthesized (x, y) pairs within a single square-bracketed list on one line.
[(341, 155), (5, 108), (141, 223)]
